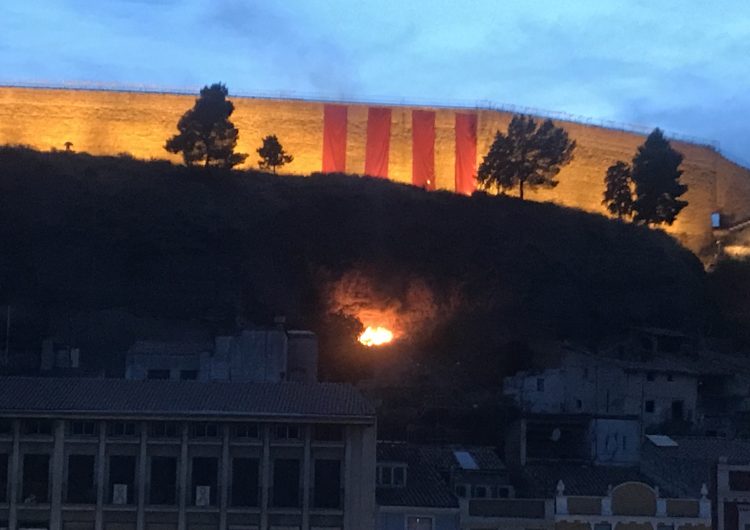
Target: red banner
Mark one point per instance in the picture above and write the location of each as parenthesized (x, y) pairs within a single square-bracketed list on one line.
[(466, 153), (378, 141), (423, 149), (334, 138)]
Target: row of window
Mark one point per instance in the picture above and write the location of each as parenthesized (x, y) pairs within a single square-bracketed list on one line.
[(171, 429), (285, 490), (481, 491)]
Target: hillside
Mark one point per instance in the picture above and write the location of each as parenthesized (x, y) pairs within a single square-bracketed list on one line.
[(458, 277)]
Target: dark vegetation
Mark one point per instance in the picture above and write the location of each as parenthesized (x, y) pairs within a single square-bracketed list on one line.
[(81, 233)]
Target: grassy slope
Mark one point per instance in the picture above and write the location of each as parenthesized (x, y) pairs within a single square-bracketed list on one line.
[(79, 233)]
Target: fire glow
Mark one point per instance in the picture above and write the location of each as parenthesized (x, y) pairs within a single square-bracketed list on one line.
[(375, 336)]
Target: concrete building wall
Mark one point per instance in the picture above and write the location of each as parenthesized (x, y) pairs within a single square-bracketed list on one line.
[(109, 122)]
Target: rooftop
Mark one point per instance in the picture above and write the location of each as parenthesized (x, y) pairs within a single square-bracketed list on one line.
[(88, 396), (540, 480)]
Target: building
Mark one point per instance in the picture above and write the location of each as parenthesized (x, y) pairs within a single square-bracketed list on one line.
[(252, 355), (430, 147), (109, 454)]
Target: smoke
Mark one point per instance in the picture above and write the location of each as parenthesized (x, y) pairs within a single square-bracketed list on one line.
[(408, 307)]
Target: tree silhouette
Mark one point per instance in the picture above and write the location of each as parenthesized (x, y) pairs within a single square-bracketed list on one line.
[(206, 134), (272, 154), (528, 155), (656, 176), (618, 193)]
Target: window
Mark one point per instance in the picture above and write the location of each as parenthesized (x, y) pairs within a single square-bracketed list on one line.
[(245, 482), (327, 484), (121, 479), (162, 429), (738, 480), (602, 526), (650, 406), (163, 480), (480, 492), (328, 433), (287, 432), (81, 488), (3, 478), (35, 479), (6, 427), (540, 384), (678, 410), (579, 404), (460, 491), (205, 481), (157, 374), (82, 428), (204, 430), (121, 429), (418, 523), (37, 427), (670, 377), (391, 475), (246, 430), (188, 375), (664, 526), (650, 376), (501, 492), (286, 484)]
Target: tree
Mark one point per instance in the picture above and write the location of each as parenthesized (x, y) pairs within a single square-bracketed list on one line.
[(656, 176), (528, 155), (618, 192), (272, 154), (206, 134)]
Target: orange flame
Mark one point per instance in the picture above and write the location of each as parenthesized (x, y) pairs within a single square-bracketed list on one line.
[(376, 336)]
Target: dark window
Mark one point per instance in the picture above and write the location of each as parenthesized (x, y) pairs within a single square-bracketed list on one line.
[(82, 428), (328, 433), (32, 427), (327, 487), (121, 479), (3, 478), (35, 479), (188, 375), (461, 491), (157, 374), (163, 480), (678, 410), (502, 493), (579, 404), (204, 481), (650, 406), (540, 384), (204, 430), (603, 526), (5, 426), (391, 475), (245, 482), (286, 483), (287, 432), (650, 376), (81, 488), (245, 430), (162, 429), (418, 523), (738, 480), (121, 429), (480, 492), (670, 377)]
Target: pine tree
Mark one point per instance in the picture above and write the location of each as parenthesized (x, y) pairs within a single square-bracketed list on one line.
[(272, 154), (206, 133), (656, 176), (618, 192), (528, 155)]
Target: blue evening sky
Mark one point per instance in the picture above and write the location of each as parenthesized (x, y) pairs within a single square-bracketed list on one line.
[(680, 65)]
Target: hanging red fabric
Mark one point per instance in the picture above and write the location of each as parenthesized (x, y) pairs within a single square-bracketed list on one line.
[(466, 153), (378, 141), (423, 149), (334, 138)]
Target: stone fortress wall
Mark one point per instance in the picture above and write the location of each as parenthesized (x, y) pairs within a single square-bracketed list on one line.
[(107, 122)]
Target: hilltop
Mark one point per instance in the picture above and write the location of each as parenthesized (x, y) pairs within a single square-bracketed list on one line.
[(460, 276)]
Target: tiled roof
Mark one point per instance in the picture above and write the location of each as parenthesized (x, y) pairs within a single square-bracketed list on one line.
[(687, 466), (424, 486), (540, 480), (103, 396), (444, 458)]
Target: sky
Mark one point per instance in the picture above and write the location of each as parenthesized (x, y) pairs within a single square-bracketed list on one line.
[(681, 65)]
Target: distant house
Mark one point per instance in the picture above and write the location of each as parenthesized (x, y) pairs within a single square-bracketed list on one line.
[(115, 454), (252, 355)]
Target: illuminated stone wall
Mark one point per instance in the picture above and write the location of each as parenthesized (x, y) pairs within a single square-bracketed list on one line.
[(109, 122)]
